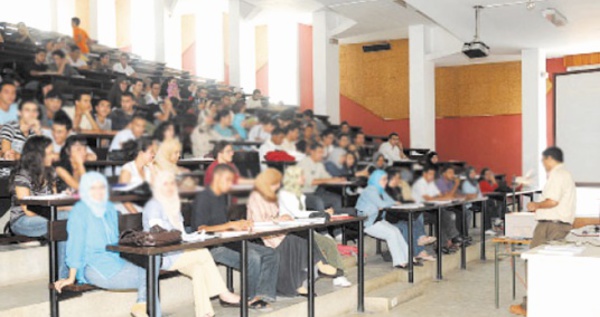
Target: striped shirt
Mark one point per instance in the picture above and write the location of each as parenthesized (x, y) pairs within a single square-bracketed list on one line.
[(13, 134)]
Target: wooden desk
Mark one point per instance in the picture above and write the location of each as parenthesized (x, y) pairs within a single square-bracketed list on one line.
[(240, 143), (98, 136), (515, 196), (152, 253)]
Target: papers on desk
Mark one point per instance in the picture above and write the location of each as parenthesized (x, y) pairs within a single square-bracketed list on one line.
[(440, 202), (230, 234), (125, 187), (407, 206), (196, 236), (272, 226), (47, 197), (194, 159), (562, 250)]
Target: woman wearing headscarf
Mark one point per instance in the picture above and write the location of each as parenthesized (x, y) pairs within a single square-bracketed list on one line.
[(164, 211), (336, 163), (166, 159), (93, 224), (370, 203), (292, 250), (292, 202)]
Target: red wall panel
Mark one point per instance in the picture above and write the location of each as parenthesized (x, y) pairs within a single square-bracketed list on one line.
[(262, 80), (493, 142), (188, 59)]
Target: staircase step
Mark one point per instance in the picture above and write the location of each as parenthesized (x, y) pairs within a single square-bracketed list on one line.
[(20, 264), (385, 298)]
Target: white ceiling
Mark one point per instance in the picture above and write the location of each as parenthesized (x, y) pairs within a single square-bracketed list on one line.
[(507, 30)]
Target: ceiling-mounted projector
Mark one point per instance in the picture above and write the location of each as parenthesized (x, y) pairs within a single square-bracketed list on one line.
[(476, 48)]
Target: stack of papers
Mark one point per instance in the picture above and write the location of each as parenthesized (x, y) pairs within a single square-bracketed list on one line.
[(47, 197), (231, 234), (196, 236), (564, 250), (407, 206)]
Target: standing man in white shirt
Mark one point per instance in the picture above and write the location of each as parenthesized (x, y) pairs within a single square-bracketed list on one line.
[(392, 149), (123, 66), (556, 212)]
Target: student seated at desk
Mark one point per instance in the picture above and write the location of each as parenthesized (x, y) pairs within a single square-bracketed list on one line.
[(61, 65), (392, 149), (292, 132), (133, 131), (165, 132), (307, 139), (34, 176), (399, 190), (81, 113), (102, 115), (138, 170), (370, 203), (327, 139), (256, 100), (9, 110), (165, 110), (318, 198), (164, 210), (273, 144), (50, 108), (343, 141), (262, 131), (201, 137), (167, 156), (378, 162), (14, 134), (121, 117), (72, 163), (292, 250), (424, 190), (360, 149), (123, 67), (239, 122), (488, 183), (75, 59), (223, 154), (118, 88), (93, 225), (449, 185), (223, 126), (351, 164), (210, 214), (292, 202), (336, 163), (137, 90)]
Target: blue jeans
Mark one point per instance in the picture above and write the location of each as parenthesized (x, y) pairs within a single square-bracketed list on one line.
[(418, 231), (37, 226), (263, 265), (130, 276)]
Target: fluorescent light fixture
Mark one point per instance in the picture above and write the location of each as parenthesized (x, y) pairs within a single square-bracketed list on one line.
[(555, 17)]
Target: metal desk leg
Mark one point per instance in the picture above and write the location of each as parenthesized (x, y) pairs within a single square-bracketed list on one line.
[(440, 243), (311, 275), (514, 270), (244, 279), (504, 211), (230, 279), (410, 249), (361, 269), (152, 286), (344, 238), (496, 275), (53, 267), (482, 243), (465, 233)]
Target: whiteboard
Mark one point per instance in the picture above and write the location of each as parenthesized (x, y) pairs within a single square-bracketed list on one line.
[(577, 123)]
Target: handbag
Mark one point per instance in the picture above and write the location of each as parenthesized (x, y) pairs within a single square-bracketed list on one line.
[(156, 237), (320, 214)]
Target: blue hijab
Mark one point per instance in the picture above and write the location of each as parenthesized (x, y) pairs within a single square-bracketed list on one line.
[(374, 180), (87, 180)]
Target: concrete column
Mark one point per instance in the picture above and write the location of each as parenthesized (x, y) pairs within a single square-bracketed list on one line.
[(53, 15), (248, 62), (159, 31), (284, 78), (326, 67), (102, 22), (422, 89), (210, 59), (533, 118), (235, 22), (173, 43)]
